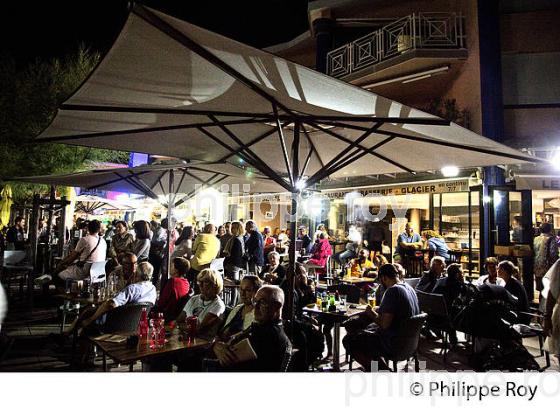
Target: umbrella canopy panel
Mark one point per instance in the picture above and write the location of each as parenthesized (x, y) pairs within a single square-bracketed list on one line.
[(168, 87)]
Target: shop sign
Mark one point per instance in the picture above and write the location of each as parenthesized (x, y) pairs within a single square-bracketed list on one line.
[(537, 182), (408, 189)]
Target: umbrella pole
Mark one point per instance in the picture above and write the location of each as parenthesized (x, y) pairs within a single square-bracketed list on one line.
[(170, 224), (292, 256)]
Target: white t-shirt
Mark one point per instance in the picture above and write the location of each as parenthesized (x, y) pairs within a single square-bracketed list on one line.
[(483, 279), (198, 307), (85, 246), (142, 292)]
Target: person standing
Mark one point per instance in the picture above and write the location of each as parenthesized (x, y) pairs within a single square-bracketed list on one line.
[(141, 246), (436, 244), (225, 237), (234, 250), (546, 253), (254, 248), (551, 326), (205, 248), (15, 237), (121, 242)]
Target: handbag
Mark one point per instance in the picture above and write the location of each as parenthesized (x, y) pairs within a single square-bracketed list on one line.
[(81, 264)]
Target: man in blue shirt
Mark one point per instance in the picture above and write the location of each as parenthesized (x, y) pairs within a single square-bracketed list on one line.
[(408, 241), (399, 303)]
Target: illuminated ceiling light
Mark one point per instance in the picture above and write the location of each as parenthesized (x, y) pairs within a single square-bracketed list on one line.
[(450, 171), (555, 160), (300, 185)]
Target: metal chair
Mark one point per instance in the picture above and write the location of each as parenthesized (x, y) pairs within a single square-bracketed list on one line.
[(438, 317), (13, 266), (412, 282), (218, 265), (405, 343), (96, 271)]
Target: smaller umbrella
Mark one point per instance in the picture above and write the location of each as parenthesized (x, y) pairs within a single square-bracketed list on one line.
[(90, 203)]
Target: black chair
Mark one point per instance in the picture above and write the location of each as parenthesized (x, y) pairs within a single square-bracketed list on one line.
[(287, 360), (124, 319), (412, 282), (438, 316), (405, 343), (534, 329)]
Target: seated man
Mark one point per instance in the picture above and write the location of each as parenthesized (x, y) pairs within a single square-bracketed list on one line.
[(265, 336), (491, 277), (451, 287), (361, 265), (274, 273), (429, 279), (376, 340), (507, 271), (138, 290)]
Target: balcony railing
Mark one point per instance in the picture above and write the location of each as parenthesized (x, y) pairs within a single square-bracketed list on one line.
[(416, 31)]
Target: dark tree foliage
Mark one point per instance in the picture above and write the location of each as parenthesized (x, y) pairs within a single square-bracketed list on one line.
[(29, 98)]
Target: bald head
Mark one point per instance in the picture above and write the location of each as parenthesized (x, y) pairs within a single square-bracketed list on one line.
[(268, 304)]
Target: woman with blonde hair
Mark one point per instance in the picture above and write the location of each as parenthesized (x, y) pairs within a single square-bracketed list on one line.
[(436, 244), (208, 307), (234, 250)]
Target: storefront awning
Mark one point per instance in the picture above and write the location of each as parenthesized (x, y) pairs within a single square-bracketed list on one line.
[(168, 87)]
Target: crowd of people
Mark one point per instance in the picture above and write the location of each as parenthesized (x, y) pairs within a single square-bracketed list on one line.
[(137, 259)]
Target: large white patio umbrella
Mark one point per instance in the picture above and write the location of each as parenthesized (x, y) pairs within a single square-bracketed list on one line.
[(171, 88)]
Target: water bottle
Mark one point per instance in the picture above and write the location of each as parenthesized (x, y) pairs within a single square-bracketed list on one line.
[(153, 333), (143, 326), (160, 330)]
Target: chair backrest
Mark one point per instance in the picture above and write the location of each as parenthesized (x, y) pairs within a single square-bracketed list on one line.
[(412, 282), (405, 343), (124, 319), (97, 272), (352, 292), (218, 265), (13, 257), (432, 304), (287, 359)]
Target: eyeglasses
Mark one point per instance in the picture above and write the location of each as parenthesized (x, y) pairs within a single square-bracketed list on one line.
[(261, 302)]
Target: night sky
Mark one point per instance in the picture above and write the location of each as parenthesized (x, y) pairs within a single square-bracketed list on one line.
[(52, 28)]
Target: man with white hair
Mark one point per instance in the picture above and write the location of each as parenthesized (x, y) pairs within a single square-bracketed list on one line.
[(429, 278), (265, 339)]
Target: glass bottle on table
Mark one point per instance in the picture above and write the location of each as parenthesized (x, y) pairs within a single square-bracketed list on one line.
[(160, 330), (143, 326)]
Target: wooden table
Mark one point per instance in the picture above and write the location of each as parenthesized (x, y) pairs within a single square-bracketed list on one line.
[(337, 317), (358, 281), (123, 354)]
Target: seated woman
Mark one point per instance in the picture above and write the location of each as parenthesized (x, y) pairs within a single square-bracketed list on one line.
[(242, 315), (176, 288), (320, 252), (269, 242), (208, 307), (274, 273)]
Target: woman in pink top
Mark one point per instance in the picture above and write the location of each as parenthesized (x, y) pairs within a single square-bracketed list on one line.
[(320, 252)]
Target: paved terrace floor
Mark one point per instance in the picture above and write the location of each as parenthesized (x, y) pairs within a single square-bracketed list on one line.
[(26, 335)]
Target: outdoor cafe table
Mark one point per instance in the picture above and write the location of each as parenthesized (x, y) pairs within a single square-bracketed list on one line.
[(337, 317), (122, 353), (358, 280)]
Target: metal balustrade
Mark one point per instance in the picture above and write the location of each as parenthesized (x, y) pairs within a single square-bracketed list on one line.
[(416, 31)]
